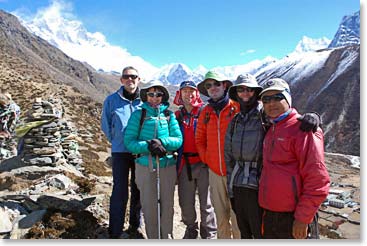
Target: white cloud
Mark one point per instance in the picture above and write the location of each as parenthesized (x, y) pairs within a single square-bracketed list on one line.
[(58, 25), (247, 52)]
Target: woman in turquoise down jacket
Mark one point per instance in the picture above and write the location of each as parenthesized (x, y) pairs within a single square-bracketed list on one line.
[(154, 139)]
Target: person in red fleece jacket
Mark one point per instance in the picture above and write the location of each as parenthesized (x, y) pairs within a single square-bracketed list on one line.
[(294, 179), (193, 174)]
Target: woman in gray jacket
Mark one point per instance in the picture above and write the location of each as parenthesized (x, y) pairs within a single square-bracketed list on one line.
[(243, 155)]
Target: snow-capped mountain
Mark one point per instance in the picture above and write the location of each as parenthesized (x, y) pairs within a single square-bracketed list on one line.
[(176, 73), (348, 32), (294, 67), (201, 70), (231, 72), (307, 44), (57, 26), (326, 81)]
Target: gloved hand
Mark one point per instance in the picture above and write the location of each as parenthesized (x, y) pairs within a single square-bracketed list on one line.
[(156, 148), (310, 121)]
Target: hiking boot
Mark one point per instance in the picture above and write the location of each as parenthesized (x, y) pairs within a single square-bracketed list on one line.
[(135, 233)]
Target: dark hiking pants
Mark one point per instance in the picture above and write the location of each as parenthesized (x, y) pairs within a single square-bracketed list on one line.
[(121, 164), (248, 212), (278, 225)]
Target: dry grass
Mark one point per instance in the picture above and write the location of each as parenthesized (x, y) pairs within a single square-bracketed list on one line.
[(85, 185), (92, 165), (66, 225)]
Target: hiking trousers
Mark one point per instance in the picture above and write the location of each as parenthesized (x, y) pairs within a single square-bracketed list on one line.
[(248, 212), (147, 184), (186, 194), (121, 164), (279, 225), (227, 227)]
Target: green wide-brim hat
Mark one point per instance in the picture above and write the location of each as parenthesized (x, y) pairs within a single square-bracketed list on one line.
[(215, 76)]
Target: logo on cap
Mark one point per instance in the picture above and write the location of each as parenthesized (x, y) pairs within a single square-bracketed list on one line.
[(270, 83), (187, 83)]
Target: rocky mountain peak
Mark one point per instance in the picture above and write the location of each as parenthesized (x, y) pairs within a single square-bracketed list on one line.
[(348, 32)]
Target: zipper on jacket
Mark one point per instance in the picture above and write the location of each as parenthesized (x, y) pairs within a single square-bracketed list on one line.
[(272, 140), (294, 185), (219, 146)]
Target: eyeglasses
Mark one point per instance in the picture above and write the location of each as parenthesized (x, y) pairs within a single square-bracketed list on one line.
[(127, 76), (241, 89), (155, 94), (209, 85), (277, 98)]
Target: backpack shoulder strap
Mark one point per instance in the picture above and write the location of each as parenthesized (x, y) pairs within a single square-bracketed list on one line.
[(234, 124), (199, 111), (167, 113), (142, 118), (207, 116), (180, 116)]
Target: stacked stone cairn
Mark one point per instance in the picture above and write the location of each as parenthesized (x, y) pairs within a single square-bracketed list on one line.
[(52, 143), (69, 144)]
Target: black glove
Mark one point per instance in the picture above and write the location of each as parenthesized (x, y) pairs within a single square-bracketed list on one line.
[(156, 148), (310, 121), (232, 204)]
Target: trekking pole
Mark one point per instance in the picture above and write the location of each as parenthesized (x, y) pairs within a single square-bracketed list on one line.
[(158, 199)]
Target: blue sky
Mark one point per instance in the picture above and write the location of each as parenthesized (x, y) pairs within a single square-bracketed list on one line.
[(208, 32)]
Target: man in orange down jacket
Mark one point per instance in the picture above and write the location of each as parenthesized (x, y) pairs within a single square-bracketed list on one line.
[(209, 139)]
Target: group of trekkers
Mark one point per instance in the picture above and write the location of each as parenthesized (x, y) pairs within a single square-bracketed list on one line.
[(256, 163)]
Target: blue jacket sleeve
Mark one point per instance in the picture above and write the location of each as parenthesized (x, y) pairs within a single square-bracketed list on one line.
[(106, 120)]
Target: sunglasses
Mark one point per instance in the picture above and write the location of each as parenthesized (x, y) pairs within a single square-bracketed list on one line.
[(209, 85), (155, 94), (241, 89), (127, 76), (277, 98)]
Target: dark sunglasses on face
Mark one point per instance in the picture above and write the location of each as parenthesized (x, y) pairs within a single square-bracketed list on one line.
[(277, 98), (127, 76), (209, 85), (241, 89), (155, 94)]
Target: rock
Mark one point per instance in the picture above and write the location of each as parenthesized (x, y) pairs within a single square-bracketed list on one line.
[(16, 232), (62, 182), (63, 203), (40, 161), (5, 223), (350, 231), (31, 219)]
